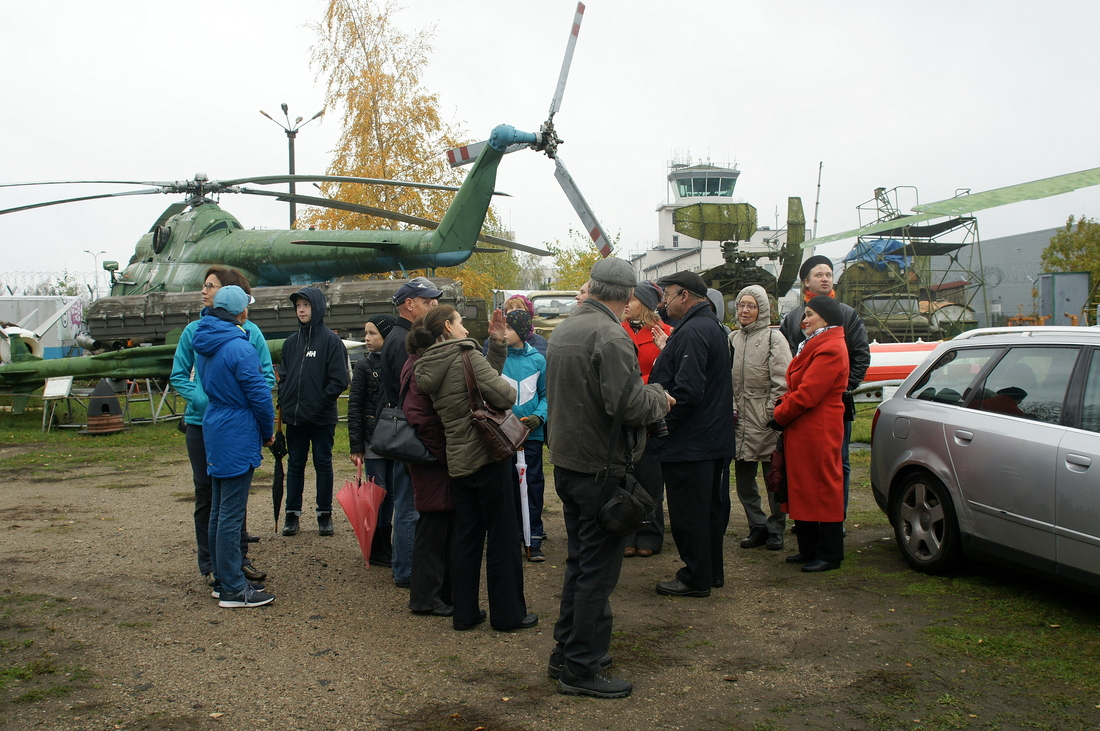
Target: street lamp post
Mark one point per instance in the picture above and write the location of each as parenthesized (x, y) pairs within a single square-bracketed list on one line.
[(95, 268), (291, 133)]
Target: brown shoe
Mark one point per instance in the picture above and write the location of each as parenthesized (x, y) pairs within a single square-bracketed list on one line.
[(630, 552), (645, 552)]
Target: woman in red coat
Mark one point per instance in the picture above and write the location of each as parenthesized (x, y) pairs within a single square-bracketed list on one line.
[(811, 415)]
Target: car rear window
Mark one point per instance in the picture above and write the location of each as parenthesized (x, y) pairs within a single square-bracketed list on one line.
[(1090, 408), (949, 380), (1029, 382)]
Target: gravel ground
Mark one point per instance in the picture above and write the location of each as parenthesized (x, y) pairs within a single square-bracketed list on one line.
[(99, 576)]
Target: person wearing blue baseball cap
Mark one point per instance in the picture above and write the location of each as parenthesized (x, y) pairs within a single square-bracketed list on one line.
[(187, 383), (238, 421)]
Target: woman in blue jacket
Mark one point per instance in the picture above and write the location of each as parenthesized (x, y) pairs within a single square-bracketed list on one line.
[(239, 419), (188, 384)]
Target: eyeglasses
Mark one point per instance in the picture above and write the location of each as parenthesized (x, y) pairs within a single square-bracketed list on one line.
[(747, 306), (211, 286)]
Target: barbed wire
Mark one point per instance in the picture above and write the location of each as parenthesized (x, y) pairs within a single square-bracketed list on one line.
[(66, 282)]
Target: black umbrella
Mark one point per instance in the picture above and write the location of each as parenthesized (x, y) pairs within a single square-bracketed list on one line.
[(278, 450)]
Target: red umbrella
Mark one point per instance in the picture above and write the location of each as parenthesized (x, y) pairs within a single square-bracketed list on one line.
[(360, 500)]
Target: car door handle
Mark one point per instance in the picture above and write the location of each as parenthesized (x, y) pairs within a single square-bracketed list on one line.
[(963, 437), (1078, 462)]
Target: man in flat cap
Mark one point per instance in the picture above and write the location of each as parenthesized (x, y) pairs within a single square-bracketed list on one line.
[(413, 300), (694, 368), (591, 369), (816, 275)]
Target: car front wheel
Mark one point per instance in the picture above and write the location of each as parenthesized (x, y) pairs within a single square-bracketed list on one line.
[(925, 525)]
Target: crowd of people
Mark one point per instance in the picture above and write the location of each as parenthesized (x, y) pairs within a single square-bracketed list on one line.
[(643, 379)]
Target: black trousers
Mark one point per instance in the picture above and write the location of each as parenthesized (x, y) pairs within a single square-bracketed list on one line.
[(430, 583), (196, 453), (485, 515), (698, 495), (824, 541), (583, 630)]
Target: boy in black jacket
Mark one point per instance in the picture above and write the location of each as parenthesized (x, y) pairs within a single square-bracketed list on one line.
[(315, 362)]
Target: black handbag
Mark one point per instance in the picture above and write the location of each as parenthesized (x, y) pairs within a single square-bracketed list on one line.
[(626, 507), (395, 438), (501, 430)]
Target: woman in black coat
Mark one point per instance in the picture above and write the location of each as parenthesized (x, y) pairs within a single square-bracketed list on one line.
[(363, 402)]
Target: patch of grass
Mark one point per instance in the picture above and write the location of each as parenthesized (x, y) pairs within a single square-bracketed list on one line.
[(27, 671), (64, 450), (1046, 633)]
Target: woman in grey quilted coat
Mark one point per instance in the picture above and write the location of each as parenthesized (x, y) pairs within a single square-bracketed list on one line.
[(760, 358)]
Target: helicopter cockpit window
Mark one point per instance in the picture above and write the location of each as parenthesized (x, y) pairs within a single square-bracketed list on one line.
[(219, 226)]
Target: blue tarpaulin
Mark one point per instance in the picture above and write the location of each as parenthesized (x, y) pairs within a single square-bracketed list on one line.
[(879, 252)]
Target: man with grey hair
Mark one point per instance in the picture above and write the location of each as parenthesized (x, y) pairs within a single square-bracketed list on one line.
[(592, 368)]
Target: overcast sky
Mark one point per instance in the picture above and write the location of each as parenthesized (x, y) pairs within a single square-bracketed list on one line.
[(936, 95)]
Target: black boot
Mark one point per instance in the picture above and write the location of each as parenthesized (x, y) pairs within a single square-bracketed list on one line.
[(758, 536), (324, 524), (290, 524), (381, 550)]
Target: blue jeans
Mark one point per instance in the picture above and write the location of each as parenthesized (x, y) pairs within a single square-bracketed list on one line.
[(196, 452), (299, 438), (405, 516), (228, 505)]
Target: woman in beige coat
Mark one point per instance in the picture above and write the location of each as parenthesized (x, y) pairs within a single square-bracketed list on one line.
[(760, 359)]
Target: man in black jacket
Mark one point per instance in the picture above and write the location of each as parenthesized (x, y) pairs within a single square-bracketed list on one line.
[(315, 362), (413, 300), (694, 369), (816, 275)]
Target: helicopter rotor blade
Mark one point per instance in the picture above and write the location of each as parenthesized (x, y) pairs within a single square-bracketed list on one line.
[(1033, 190), (591, 225), (574, 31), (383, 213), (466, 154), (158, 183), (148, 191), (275, 179)]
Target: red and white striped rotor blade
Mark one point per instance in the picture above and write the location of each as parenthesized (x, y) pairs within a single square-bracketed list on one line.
[(466, 154), (591, 226), (574, 31)]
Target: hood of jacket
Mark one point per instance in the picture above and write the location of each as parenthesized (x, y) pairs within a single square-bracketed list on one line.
[(316, 300), (764, 314), (431, 368), (215, 329)]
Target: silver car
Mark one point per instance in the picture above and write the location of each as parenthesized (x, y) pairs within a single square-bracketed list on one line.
[(986, 452)]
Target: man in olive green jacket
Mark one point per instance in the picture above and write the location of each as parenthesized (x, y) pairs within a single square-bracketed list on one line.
[(591, 362)]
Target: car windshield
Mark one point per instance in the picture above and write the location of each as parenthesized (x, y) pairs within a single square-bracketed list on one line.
[(560, 305)]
